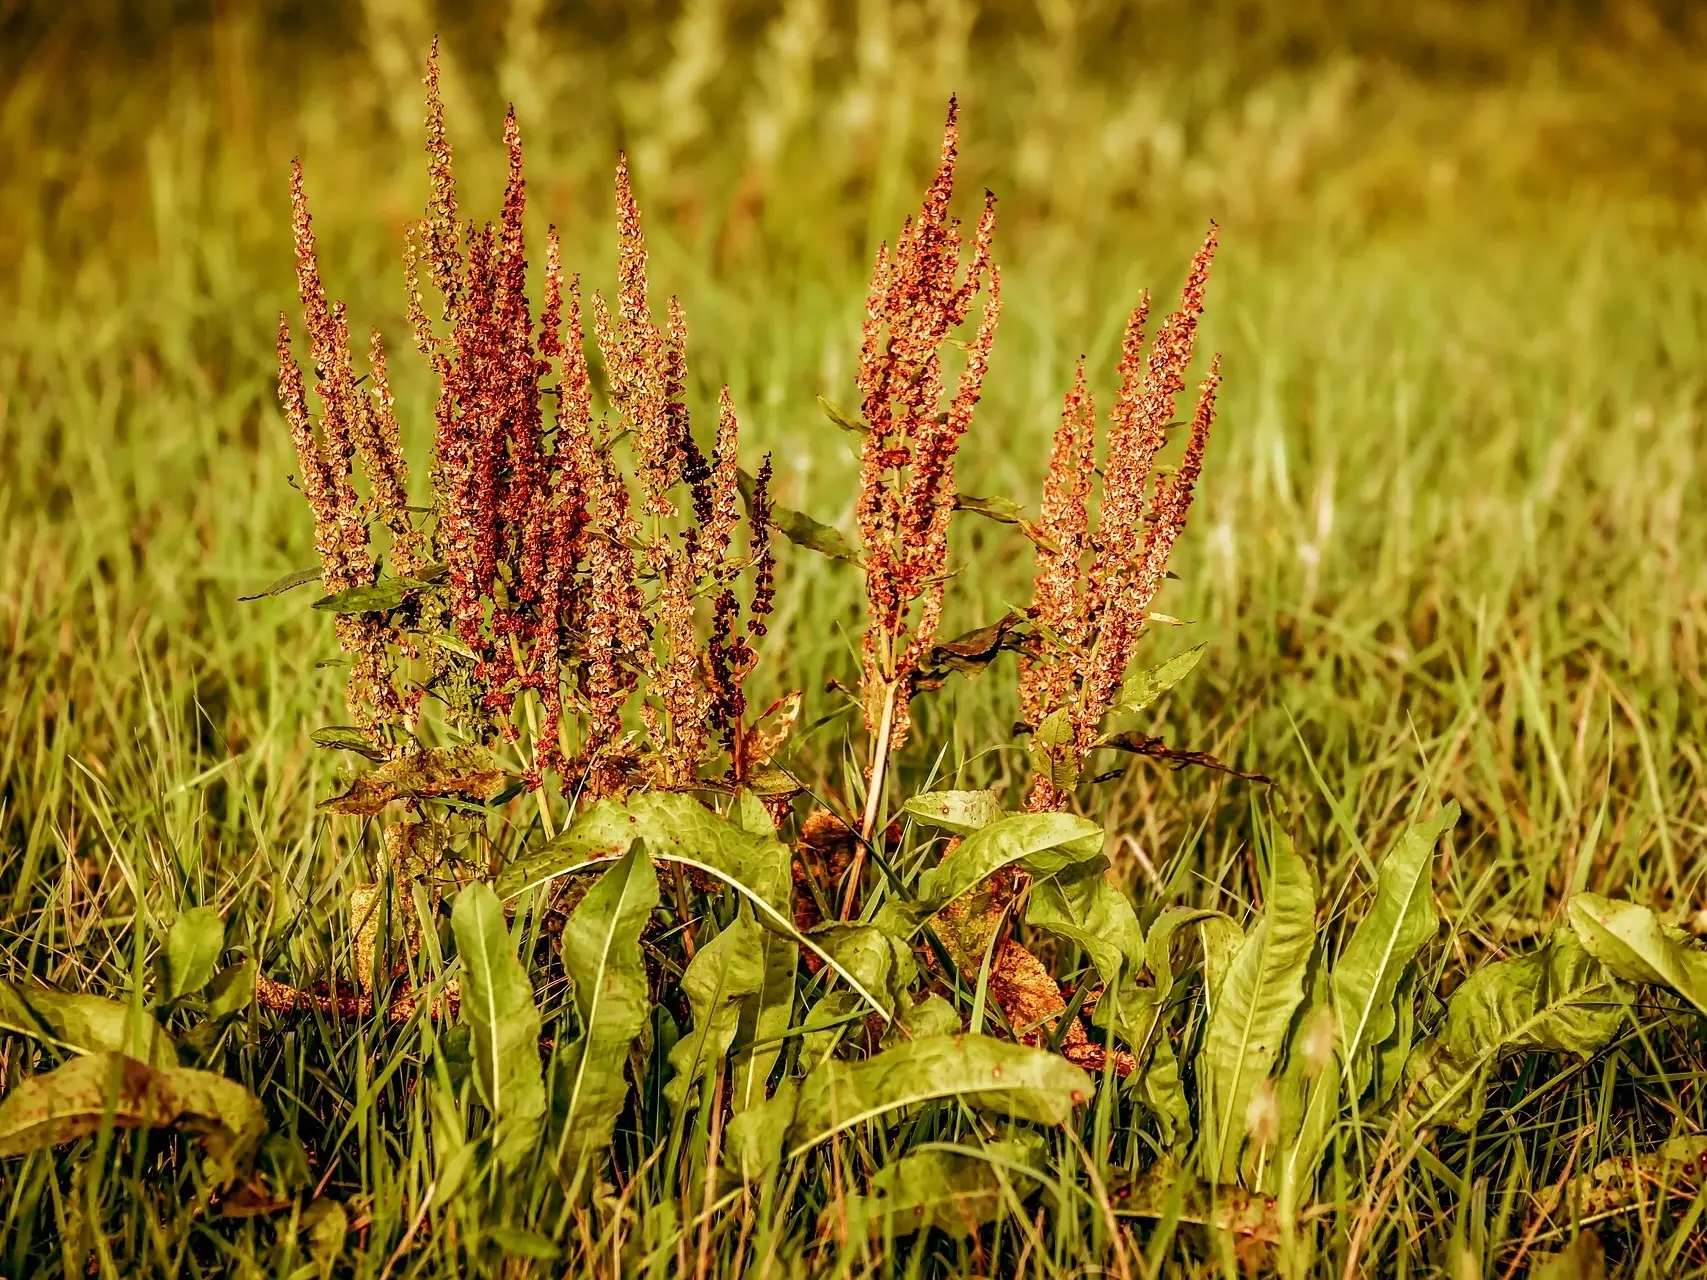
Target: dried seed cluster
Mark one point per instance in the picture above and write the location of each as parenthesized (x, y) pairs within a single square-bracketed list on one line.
[(548, 590)]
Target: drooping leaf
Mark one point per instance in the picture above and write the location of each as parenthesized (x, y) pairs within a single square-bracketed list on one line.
[(1041, 843), (677, 828), (601, 951), (954, 1189), (381, 597), (289, 582), (78, 1098), (1366, 976), (842, 418), (1631, 943), (1143, 688), (347, 737), (468, 771), (497, 1005), (86, 1024), (1248, 1025), (723, 974), (993, 1075), (971, 652), (961, 812), (800, 528), (1080, 905), (1001, 510), (193, 947), (1559, 999)]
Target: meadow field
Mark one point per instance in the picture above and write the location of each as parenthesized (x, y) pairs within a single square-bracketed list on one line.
[(1447, 549)]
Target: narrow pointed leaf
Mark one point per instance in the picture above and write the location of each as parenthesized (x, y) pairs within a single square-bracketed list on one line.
[(1402, 918), (1143, 688), (800, 528), (723, 974), (497, 1004), (601, 951), (289, 582), (1248, 1027)]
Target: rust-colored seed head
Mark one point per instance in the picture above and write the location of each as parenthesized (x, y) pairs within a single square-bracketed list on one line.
[(918, 296), (1096, 616)]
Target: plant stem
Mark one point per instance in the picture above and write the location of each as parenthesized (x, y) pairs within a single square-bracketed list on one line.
[(873, 794)]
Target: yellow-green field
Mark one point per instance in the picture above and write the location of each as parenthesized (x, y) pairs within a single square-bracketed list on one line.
[(1448, 546)]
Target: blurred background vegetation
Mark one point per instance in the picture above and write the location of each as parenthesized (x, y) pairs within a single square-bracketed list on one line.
[(1449, 538)]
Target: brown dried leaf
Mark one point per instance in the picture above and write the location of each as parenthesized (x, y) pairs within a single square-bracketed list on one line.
[(468, 771)]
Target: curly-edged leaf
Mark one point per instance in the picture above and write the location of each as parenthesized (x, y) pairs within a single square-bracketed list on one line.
[(1631, 943), (347, 737), (764, 1020), (193, 947), (1307, 1094), (1218, 936), (1164, 1095), (89, 1092), (1041, 843), (1144, 687), (971, 652), (842, 418), (1366, 976), (677, 828), (800, 528), (468, 771), (1055, 750), (993, 1075), (723, 974), (381, 597), (956, 1189), (1248, 1025), (1080, 905), (882, 962), (1001, 510), (289, 582), (497, 1005), (601, 951), (961, 812), (85, 1024), (1558, 999)]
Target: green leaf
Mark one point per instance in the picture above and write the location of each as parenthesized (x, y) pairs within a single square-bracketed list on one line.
[(1080, 905), (1055, 751), (1630, 942), (1001, 510), (755, 1134), (1164, 1094), (677, 828), (961, 812), (842, 418), (193, 947), (382, 597), (289, 582), (1559, 999), (232, 989), (800, 528), (954, 1189), (1366, 976), (347, 737), (497, 1005), (519, 1242), (1041, 843), (723, 974), (1248, 1026), (86, 1024), (993, 1075), (89, 1092), (1583, 1259), (601, 951), (1143, 688), (764, 1020), (469, 771)]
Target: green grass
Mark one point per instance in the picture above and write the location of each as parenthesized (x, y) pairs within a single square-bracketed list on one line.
[(1448, 545)]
